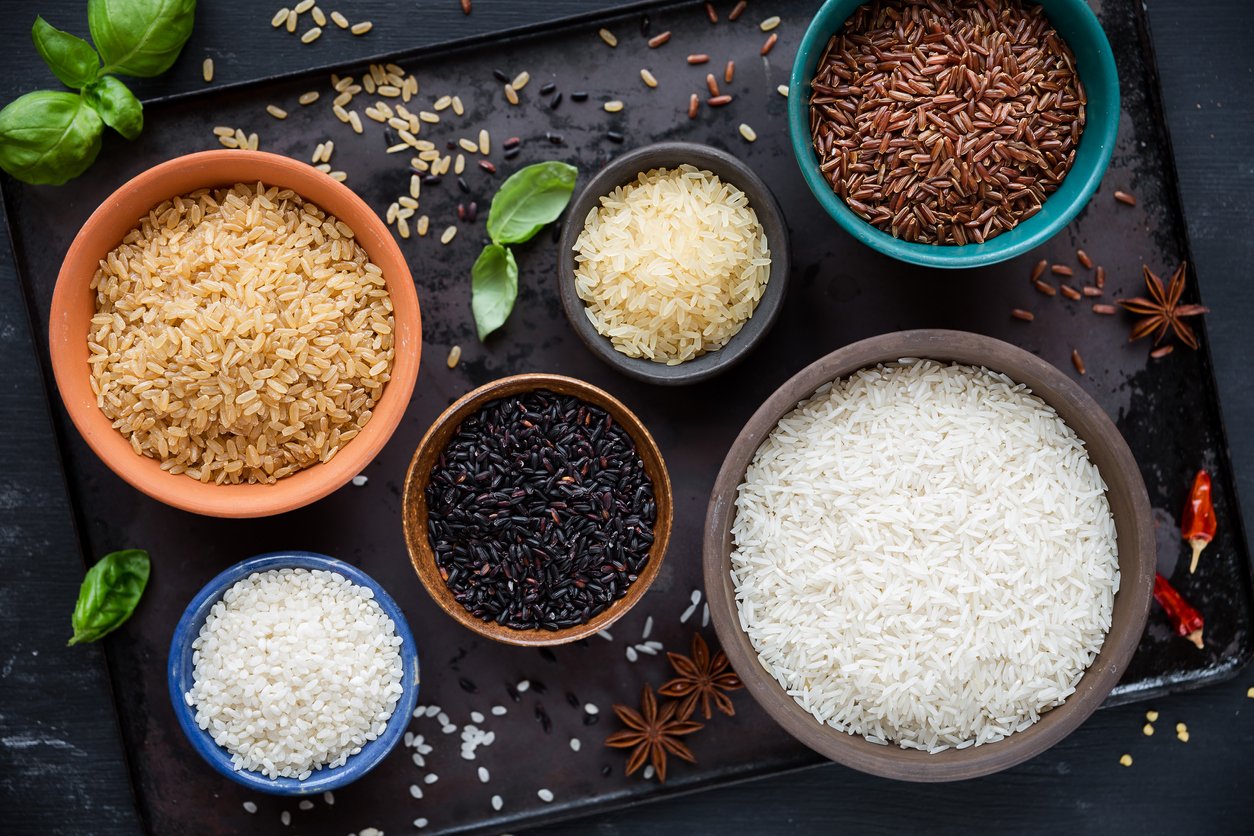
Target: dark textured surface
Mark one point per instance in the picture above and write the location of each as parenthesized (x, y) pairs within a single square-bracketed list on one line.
[(1075, 786)]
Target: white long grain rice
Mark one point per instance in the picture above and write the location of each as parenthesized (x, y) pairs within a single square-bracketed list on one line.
[(240, 335), (924, 554), (671, 265), (295, 670)]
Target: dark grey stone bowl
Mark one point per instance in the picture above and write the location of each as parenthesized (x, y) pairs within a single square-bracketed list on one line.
[(623, 170)]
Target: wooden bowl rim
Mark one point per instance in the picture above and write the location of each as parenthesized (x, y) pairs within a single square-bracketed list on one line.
[(414, 504), (67, 330), (1135, 533)]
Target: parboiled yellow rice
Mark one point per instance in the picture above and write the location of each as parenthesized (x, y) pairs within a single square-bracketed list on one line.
[(240, 335), (671, 265)]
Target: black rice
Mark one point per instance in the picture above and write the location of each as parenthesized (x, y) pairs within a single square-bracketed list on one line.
[(540, 512)]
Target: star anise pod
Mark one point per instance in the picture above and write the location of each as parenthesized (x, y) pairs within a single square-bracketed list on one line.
[(701, 678), (652, 733), (1162, 311)]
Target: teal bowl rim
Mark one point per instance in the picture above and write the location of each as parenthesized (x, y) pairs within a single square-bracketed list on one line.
[(1100, 131)]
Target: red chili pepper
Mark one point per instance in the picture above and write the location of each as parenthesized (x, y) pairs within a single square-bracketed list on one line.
[(1187, 621), (1197, 523)]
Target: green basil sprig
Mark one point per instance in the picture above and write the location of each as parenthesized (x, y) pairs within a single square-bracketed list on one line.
[(529, 199), (49, 137), (109, 594)]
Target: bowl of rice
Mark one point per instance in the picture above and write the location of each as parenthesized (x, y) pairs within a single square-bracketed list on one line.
[(673, 262), (235, 333), (929, 555), (293, 673)]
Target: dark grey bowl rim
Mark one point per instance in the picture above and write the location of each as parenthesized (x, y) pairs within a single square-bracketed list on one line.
[(624, 169)]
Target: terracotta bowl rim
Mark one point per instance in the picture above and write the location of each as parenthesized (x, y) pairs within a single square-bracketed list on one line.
[(436, 438), (67, 333), (1135, 532)]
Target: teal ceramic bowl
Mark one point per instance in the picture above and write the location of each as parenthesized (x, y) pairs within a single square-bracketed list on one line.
[(1075, 21)]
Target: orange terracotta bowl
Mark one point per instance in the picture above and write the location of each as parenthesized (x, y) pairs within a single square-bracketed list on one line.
[(74, 304)]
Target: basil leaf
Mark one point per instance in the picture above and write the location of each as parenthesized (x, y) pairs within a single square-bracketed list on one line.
[(530, 198), (109, 594), (140, 37), (116, 105), (69, 57), (48, 137), (493, 288)]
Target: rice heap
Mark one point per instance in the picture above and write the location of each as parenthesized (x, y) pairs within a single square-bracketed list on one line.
[(671, 265), (295, 670), (924, 555), (240, 335)]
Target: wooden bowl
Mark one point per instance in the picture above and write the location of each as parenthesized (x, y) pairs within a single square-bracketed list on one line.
[(414, 509), (74, 304), (1129, 504)]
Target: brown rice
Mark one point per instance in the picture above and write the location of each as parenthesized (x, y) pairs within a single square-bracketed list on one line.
[(241, 335)]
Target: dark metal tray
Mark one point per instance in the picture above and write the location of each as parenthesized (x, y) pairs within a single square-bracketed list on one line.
[(840, 292)]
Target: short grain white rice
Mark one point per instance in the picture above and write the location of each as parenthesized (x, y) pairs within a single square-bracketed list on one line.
[(295, 670)]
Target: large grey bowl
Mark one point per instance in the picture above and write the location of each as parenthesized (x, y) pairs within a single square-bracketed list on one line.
[(622, 171)]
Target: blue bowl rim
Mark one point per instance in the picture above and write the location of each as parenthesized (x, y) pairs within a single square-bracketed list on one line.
[(323, 779), (1103, 131)]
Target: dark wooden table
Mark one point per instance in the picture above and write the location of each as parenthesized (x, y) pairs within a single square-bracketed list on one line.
[(62, 768)]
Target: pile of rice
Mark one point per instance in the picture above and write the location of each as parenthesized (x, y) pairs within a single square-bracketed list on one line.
[(671, 265), (295, 670), (240, 335), (924, 555)]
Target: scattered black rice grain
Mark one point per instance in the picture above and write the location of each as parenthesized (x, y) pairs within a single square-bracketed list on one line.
[(540, 512), (431, 180), (614, 136), (501, 76), (645, 25), (548, 655), (450, 145), (572, 699), (555, 138), (472, 212), (556, 100), (510, 153), (548, 88), (605, 770), (963, 139), (579, 96), (461, 211), (468, 686), (461, 184), (513, 692), (591, 719), (542, 716)]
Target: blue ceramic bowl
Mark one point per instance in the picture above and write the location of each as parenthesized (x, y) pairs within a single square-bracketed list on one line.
[(1096, 64), (180, 677)]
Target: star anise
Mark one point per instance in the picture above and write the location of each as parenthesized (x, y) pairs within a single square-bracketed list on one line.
[(1163, 311), (652, 733), (700, 678)]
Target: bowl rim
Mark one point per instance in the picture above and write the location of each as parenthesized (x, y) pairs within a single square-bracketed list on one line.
[(1102, 438), (826, 21), (143, 472), (414, 505), (179, 666), (624, 169)]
